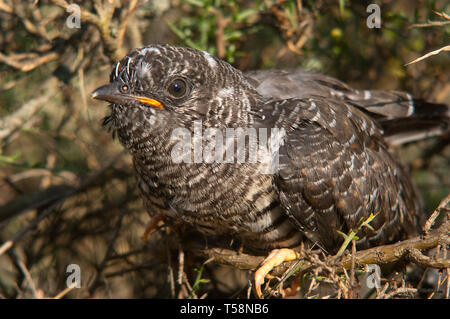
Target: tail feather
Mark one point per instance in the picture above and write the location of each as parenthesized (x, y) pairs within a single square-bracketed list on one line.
[(419, 121), (403, 118)]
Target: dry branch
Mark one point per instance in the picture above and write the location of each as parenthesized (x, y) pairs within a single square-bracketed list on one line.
[(103, 22), (408, 249), (446, 48), (29, 64), (5, 7), (17, 119), (47, 203), (431, 24)]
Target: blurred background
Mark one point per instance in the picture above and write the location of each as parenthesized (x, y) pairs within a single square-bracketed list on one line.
[(67, 191)]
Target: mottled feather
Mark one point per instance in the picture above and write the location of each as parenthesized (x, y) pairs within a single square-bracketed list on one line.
[(334, 167)]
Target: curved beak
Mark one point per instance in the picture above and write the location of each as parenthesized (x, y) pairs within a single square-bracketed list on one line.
[(111, 93)]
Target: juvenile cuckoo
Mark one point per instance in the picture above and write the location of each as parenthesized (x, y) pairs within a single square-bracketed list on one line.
[(333, 165)]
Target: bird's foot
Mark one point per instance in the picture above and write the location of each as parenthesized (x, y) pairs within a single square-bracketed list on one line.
[(274, 259), (152, 225)]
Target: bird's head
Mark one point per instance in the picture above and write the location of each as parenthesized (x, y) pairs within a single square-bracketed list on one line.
[(160, 87)]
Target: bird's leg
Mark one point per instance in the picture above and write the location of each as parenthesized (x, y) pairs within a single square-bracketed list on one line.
[(152, 224), (275, 258)]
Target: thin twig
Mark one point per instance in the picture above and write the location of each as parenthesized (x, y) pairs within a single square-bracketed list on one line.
[(446, 48), (431, 220)]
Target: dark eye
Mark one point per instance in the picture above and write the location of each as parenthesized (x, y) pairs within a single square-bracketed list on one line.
[(124, 88), (178, 88)]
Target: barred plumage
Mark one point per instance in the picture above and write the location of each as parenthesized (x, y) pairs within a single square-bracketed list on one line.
[(334, 165)]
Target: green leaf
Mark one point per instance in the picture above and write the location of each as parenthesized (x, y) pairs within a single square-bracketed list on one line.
[(175, 30), (244, 14), (9, 159), (198, 279), (196, 3), (342, 6)]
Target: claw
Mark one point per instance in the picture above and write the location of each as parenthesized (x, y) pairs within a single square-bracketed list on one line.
[(275, 258), (152, 225)]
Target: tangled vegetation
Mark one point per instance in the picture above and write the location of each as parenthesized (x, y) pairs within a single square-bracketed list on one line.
[(67, 191)]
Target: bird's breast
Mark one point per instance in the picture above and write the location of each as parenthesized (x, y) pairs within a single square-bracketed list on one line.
[(220, 199)]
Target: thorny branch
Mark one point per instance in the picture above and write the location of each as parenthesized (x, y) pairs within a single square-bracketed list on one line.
[(410, 249), (103, 21), (37, 223)]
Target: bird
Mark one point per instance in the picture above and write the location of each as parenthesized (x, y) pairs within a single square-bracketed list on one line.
[(322, 162)]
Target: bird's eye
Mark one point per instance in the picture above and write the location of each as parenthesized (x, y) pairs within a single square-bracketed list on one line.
[(124, 88), (178, 88)]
